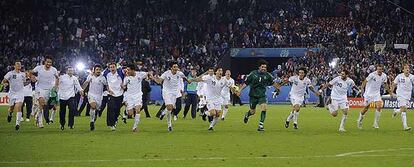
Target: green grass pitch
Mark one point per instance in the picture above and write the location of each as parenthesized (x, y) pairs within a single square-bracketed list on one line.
[(233, 143)]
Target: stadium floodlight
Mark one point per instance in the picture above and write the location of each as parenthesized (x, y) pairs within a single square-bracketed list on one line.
[(333, 63), (80, 66)]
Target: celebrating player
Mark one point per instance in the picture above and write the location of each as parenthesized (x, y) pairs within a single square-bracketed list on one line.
[(297, 95), (46, 76), (132, 84), (16, 81), (339, 98), (258, 80), (404, 83), (225, 93), (371, 88), (96, 82), (170, 85)]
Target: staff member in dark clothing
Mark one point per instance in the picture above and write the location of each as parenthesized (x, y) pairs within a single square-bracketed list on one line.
[(192, 97), (68, 85), (28, 99), (146, 90), (104, 104), (115, 94)]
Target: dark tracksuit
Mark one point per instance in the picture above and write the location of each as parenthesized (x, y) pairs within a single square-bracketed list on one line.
[(191, 99), (146, 90)]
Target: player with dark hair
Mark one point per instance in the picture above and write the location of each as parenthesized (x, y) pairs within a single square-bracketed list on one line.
[(258, 80)]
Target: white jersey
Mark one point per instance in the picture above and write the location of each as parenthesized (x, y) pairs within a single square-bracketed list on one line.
[(226, 89), (340, 88), (404, 85), (171, 81), (45, 78), (180, 88), (16, 81), (134, 83), (373, 86), (68, 86), (96, 85), (114, 84), (299, 86), (28, 90), (214, 87)]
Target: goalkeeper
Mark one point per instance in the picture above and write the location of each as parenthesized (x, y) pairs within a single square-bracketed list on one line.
[(258, 80)]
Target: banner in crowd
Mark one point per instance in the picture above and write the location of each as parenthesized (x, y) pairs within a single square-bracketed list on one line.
[(271, 52), (379, 47), (401, 46)]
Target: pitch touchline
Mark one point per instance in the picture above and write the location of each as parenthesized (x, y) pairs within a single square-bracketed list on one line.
[(350, 154)]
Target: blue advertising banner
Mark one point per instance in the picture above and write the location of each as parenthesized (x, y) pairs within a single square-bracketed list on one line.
[(270, 52)]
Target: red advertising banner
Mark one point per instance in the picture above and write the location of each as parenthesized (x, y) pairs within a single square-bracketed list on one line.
[(358, 102)]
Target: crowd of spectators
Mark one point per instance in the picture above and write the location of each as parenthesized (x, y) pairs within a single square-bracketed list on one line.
[(198, 34)]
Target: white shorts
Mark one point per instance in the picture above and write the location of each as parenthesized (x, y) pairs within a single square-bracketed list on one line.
[(226, 99), (96, 99), (15, 98), (402, 102), (339, 104), (297, 100), (370, 99), (214, 105), (44, 93), (133, 101), (169, 98)]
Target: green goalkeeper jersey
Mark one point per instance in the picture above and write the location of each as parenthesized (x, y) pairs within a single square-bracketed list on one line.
[(258, 82)]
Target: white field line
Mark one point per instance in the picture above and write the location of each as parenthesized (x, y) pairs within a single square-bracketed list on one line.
[(349, 154), (373, 151)]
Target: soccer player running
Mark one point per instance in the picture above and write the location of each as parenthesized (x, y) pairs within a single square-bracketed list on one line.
[(68, 85), (404, 83), (214, 86), (258, 80), (46, 76), (170, 85), (339, 98), (297, 95), (225, 93), (16, 81), (96, 82), (132, 84), (372, 94)]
